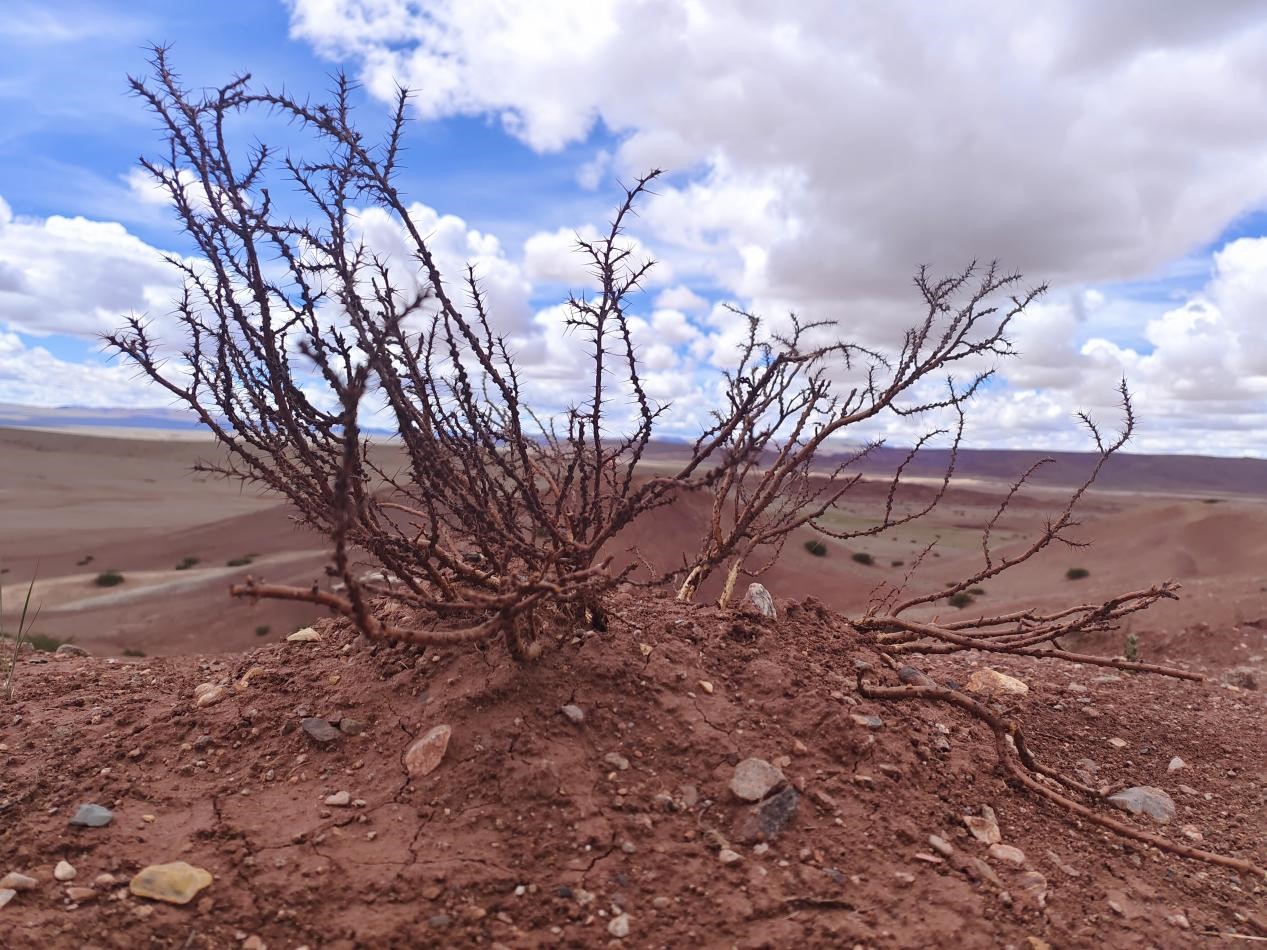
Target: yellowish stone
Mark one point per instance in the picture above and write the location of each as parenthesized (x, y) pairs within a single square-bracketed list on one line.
[(175, 883)]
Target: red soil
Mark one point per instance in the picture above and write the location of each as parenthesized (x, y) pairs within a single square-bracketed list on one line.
[(526, 835)]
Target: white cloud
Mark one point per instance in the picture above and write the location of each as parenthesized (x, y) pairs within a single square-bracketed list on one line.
[(33, 376)]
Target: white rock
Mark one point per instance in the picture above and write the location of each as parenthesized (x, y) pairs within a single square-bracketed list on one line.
[(754, 779), (65, 871), (619, 926), (986, 828), (1007, 853), (988, 682), (726, 856), (6, 894), (339, 799), (1145, 800), (1176, 764), (760, 599), (303, 636)]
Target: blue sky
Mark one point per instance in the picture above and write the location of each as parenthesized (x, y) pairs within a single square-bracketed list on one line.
[(817, 155)]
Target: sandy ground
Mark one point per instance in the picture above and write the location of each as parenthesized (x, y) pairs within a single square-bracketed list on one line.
[(74, 505)]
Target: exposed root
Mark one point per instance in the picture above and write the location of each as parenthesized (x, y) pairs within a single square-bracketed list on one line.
[(1020, 764)]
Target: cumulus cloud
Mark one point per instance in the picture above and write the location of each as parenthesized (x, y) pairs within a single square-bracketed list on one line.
[(833, 146), (31, 375)]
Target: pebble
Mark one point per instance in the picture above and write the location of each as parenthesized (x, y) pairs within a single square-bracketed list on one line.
[(1191, 832), (80, 894), (1007, 853), (706, 686), (867, 721), (65, 871), (619, 926), (616, 761), (941, 845), (92, 816), (1176, 764), (988, 682), (726, 856), (70, 649), (424, 756), (253, 942), (303, 636), (339, 799), (6, 894), (759, 598), (754, 779), (986, 828), (573, 713), (1146, 800), (1033, 886), (351, 727), (17, 882), (1117, 743), (772, 816), (319, 731), (175, 883), (208, 694)]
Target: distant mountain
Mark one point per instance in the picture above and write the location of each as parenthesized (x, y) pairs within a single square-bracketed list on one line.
[(12, 414)]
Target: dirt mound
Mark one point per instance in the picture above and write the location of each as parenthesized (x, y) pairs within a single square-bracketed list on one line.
[(538, 830)]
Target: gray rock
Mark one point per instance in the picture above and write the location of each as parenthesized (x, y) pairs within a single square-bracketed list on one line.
[(15, 881), (867, 721), (69, 649), (92, 816), (770, 818), (320, 731), (1145, 800), (574, 713), (1176, 764), (761, 600), (351, 727), (6, 894), (619, 926), (754, 779)]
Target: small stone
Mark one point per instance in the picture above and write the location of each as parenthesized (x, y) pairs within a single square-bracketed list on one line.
[(986, 828), (759, 598), (105, 879), (904, 878), (927, 858), (1117, 743), (1176, 764), (70, 649), (65, 871), (1055, 859), (645, 649), (175, 883), (867, 721), (706, 686), (726, 856), (17, 882), (6, 894), (574, 713), (771, 817), (319, 731), (988, 682), (1008, 854), (149, 819), (424, 756), (92, 816), (1178, 919), (208, 694), (754, 779), (1146, 800), (661, 903), (253, 942), (243, 684), (339, 799), (616, 761), (1192, 833), (941, 845), (619, 926), (80, 894), (351, 727), (306, 635), (439, 921)]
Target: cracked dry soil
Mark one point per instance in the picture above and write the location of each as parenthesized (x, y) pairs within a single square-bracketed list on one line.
[(531, 833)]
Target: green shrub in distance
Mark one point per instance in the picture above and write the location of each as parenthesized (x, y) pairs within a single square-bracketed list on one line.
[(816, 547), (109, 579), (186, 563), (1077, 573), (862, 557), (262, 630), (239, 561), (960, 600)]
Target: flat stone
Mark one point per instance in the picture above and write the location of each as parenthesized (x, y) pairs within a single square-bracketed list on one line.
[(339, 799), (1145, 800), (985, 828), (616, 761), (208, 694), (574, 714), (306, 635), (351, 727), (1117, 743), (726, 856), (70, 649), (175, 883), (867, 721), (65, 871), (754, 779), (424, 756), (80, 894), (941, 845), (988, 682), (1008, 854), (6, 894), (759, 598), (17, 882), (320, 731), (92, 816)]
